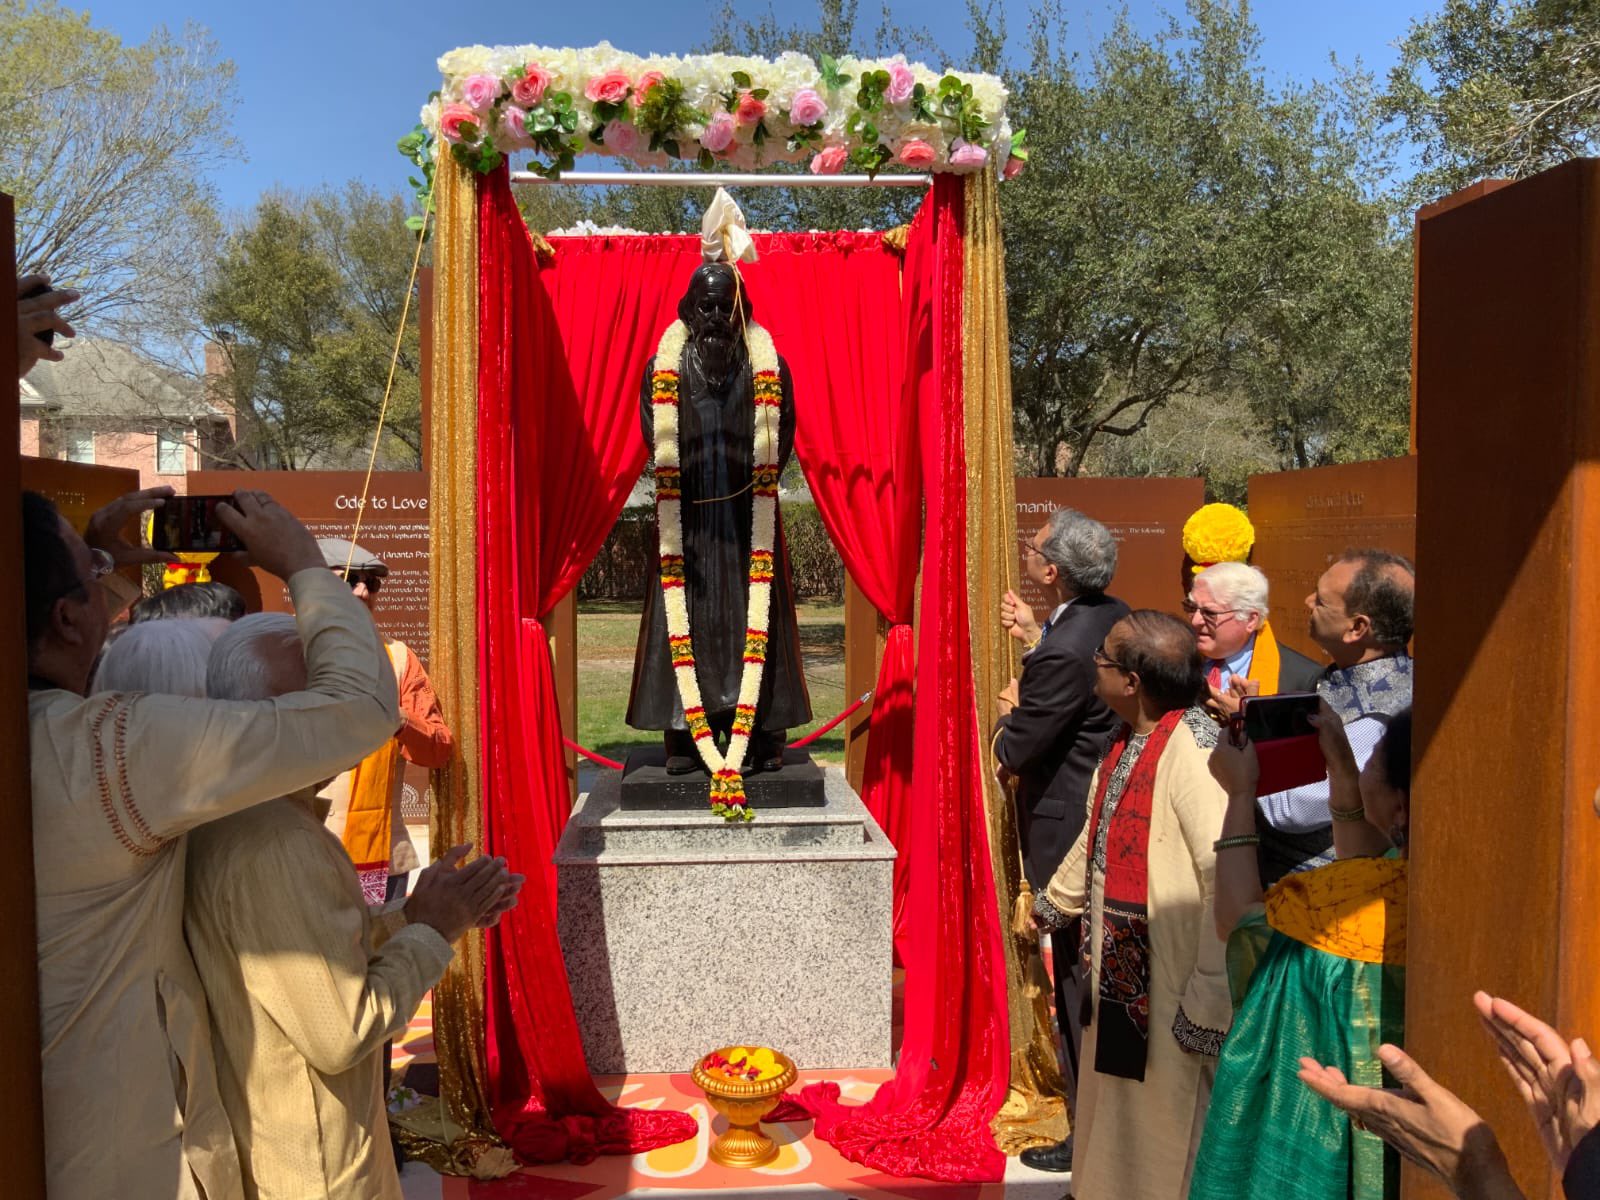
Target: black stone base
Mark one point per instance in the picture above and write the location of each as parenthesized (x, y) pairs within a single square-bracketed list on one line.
[(646, 786)]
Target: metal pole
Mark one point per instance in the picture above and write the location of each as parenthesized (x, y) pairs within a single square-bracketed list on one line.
[(696, 179)]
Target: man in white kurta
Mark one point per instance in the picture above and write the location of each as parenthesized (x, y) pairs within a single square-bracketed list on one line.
[(1136, 1139), (131, 1109), (305, 983)]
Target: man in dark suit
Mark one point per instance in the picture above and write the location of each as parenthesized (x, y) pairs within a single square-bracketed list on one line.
[(1053, 729)]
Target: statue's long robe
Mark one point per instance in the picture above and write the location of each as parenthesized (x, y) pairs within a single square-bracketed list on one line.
[(716, 447)]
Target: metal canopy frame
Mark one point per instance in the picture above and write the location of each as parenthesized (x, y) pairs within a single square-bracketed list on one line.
[(699, 179)]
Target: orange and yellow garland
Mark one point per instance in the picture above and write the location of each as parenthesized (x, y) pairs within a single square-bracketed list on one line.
[(728, 798)]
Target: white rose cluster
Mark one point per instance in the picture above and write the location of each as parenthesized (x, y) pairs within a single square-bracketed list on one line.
[(478, 100)]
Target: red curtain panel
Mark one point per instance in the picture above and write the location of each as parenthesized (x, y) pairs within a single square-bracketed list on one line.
[(552, 462)]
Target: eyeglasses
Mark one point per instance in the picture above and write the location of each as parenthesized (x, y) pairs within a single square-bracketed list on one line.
[(1102, 659), (1211, 616), (1029, 550), (372, 581), (101, 564)]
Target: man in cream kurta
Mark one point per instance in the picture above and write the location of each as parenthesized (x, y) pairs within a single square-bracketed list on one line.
[(305, 983), (131, 1109), (1136, 1139), (305, 987)]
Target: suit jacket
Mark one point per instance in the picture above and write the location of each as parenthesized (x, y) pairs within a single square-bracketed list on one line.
[(1296, 672), (1053, 739)]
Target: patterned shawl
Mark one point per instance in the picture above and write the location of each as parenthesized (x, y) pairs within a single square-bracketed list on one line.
[(1122, 1011), (1381, 687)]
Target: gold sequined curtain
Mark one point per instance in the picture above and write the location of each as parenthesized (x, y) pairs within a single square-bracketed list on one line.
[(463, 1140), (1035, 1111)]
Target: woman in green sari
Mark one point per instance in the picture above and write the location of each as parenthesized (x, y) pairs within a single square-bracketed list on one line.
[(1317, 970)]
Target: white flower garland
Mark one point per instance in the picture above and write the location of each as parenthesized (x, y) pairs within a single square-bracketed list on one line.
[(806, 112), (728, 798)]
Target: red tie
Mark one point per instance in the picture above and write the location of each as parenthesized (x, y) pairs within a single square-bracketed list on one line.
[(1214, 676)]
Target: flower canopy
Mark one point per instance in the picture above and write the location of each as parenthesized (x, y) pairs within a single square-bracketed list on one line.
[(714, 109)]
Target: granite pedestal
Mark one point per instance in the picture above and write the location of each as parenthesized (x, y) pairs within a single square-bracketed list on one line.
[(682, 932)]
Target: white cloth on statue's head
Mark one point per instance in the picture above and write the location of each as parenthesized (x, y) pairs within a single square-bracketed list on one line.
[(723, 236)]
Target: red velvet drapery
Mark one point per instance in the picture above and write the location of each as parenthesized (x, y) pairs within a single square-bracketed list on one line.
[(555, 462), (933, 1118), (561, 352)]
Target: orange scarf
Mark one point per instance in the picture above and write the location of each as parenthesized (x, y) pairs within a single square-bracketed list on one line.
[(1265, 661), (367, 829)]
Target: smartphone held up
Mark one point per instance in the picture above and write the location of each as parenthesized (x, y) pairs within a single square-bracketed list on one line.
[(188, 524), (1281, 729)]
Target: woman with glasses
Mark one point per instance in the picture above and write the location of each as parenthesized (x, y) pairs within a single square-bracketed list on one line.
[(1140, 875)]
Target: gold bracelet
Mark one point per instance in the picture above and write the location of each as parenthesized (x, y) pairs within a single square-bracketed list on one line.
[(1347, 814)]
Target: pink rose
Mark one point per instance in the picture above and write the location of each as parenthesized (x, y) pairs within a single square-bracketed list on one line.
[(901, 83), (646, 81), (610, 88), (718, 135), (916, 153), (807, 108), (965, 154), (453, 117), (530, 89), (1014, 167), (621, 137), (829, 161), (751, 110), (480, 91), (513, 126)]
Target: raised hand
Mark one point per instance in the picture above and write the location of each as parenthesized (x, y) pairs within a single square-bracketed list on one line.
[(40, 314), (1558, 1081), (1424, 1121), (105, 528), (274, 536)]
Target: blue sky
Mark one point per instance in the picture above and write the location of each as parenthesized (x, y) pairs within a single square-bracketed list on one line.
[(365, 67)]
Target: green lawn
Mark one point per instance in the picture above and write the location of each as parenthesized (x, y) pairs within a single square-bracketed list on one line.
[(608, 632)]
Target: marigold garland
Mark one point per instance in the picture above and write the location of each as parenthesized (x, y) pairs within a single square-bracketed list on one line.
[(728, 799), (1218, 533)]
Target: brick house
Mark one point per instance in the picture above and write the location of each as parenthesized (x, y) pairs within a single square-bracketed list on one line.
[(110, 405)]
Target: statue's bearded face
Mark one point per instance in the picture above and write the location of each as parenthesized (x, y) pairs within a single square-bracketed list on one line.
[(710, 312)]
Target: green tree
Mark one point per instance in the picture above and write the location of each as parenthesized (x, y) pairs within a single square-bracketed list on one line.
[(306, 301), (1498, 88), (1185, 230), (107, 147)]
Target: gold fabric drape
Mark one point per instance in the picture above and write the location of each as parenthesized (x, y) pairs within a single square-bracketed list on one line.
[(460, 1139), (1035, 1110)]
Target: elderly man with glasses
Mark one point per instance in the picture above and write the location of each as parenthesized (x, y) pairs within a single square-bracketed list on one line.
[(1227, 609), (1052, 728), (131, 1106)]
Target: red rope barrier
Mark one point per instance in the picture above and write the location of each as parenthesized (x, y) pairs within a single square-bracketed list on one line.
[(603, 761), (591, 755), (844, 716)]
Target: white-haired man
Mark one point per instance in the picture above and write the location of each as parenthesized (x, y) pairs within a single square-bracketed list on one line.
[(130, 1095), (1227, 609), (305, 983)]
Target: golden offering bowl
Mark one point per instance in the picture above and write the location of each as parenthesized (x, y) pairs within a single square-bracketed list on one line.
[(744, 1102)]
